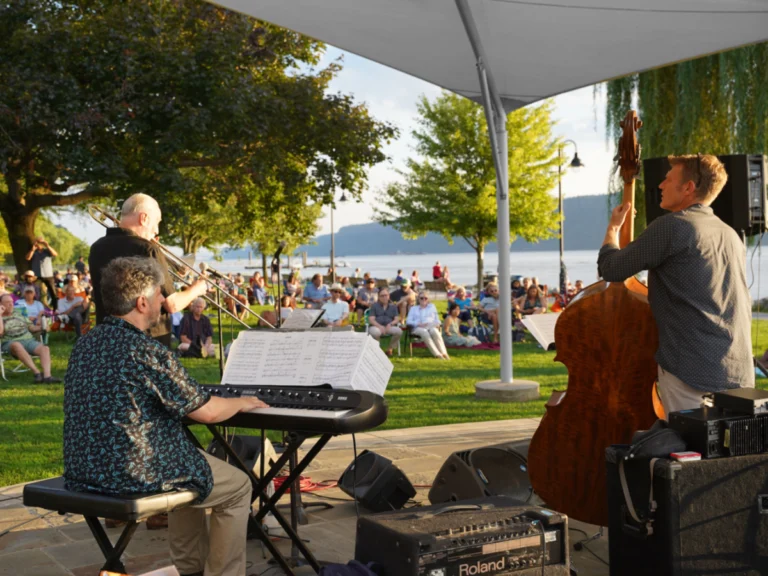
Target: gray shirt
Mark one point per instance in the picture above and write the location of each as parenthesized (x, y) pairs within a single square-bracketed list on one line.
[(698, 293), (383, 315)]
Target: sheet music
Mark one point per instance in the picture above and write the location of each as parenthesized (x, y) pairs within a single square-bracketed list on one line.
[(542, 326), (302, 318), (374, 369), (345, 360)]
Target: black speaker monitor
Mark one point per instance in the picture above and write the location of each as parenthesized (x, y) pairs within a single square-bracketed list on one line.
[(742, 202), (376, 483), (500, 470)]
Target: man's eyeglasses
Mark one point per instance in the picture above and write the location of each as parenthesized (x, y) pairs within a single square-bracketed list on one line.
[(423, 298)]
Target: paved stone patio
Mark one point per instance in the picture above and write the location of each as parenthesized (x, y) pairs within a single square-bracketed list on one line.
[(53, 545)]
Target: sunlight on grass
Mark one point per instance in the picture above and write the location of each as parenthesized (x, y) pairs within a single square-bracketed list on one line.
[(423, 391)]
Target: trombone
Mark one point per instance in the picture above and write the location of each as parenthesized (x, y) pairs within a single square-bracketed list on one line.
[(177, 265)]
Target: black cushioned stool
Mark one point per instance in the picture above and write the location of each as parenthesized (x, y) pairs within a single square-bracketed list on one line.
[(51, 495)]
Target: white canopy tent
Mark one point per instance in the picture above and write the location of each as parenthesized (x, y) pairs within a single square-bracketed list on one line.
[(509, 53)]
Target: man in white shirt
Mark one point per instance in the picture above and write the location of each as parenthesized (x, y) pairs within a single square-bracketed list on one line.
[(336, 311), (72, 308)]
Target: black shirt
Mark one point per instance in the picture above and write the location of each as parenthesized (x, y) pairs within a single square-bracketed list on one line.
[(120, 243), (194, 329)]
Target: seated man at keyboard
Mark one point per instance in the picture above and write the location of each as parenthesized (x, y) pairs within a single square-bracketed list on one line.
[(125, 396)]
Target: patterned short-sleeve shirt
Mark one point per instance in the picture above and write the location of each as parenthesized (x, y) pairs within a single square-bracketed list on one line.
[(125, 396)]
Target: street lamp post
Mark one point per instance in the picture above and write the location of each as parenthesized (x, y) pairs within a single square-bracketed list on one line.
[(575, 163), (333, 241)]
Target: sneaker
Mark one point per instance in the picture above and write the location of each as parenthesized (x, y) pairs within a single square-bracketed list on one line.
[(52, 380)]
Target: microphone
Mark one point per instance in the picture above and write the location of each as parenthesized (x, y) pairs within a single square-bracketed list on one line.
[(280, 248)]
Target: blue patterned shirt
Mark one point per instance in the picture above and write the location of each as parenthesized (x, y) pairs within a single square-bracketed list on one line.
[(125, 396)]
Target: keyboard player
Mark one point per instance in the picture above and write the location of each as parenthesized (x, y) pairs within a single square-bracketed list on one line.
[(125, 398)]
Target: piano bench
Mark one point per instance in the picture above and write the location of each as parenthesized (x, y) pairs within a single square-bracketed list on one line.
[(52, 495)]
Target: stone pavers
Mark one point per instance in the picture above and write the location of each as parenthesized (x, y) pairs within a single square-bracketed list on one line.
[(53, 545)]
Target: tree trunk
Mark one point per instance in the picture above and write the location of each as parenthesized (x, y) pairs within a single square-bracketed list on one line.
[(480, 251), (20, 222), (267, 279)]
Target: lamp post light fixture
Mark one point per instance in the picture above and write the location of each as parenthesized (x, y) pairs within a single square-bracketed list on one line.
[(333, 242), (575, 163)]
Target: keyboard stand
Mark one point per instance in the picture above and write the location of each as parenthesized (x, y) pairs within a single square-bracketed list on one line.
[(294, 440)]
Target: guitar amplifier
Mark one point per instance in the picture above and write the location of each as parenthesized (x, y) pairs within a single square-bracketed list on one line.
[(711, 516), (484, 536)]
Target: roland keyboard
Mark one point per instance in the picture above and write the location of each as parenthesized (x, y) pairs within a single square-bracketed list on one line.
[(309, 409)]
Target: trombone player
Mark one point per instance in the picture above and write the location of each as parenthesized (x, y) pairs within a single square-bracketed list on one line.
[(139, 225)]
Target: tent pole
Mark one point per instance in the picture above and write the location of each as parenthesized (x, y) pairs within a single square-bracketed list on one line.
[(496, 118)]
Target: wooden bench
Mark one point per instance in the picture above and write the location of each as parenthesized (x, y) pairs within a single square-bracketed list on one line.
[(52, 495), (435, 287)]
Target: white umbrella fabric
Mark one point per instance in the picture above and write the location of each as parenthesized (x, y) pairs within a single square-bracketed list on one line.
[(509, 53)]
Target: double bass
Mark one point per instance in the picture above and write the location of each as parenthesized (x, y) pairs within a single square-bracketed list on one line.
[(607, 338)]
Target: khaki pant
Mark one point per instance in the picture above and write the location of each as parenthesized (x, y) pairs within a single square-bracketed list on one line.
[(432, 339), (394, 331), (676, 395), (218, 549)]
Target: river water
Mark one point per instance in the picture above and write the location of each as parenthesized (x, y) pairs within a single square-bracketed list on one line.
[(581, 265)]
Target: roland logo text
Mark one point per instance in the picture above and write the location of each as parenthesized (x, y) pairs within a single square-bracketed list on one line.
[(481, 567)]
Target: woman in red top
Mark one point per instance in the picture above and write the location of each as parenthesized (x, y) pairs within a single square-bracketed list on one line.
[(437, 272)]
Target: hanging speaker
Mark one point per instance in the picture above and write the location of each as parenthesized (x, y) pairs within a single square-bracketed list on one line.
[(376, 483), (500, 470)]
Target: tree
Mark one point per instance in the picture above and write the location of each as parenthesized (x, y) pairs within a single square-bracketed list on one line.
[(717, 104), (451, 188), (103, 98)]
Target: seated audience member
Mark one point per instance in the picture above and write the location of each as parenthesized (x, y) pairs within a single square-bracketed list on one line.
[(293, 287), (196, 332), (464, 303), (578, 287), (404, 297), (451, 333), (364, 281), (559, 304), (236, 303), (3, 284), (16, 332), (490, 307), (517, 289), (58, 280), (336, 311), (349, 293), (542, 287), (384, 319), (399, 278), (29, 279), (110, 432), (526, 285), (287, 305), (71, 309), (258, 288), (316, 293), (424, 323), (437, 271), (445, 279), (416, 281), (176, 318), (365, 297), (34, 308), (532, 303)]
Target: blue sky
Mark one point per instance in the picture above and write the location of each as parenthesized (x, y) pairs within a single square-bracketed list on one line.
[(392, 96)]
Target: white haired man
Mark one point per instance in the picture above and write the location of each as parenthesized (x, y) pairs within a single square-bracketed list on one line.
[(139, 225), (125, 398), (196, 330)]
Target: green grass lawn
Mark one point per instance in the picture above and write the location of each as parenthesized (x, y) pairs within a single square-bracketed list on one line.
[(423, 391)]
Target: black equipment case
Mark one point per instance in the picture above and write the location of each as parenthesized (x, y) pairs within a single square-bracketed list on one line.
[(711, 516)]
